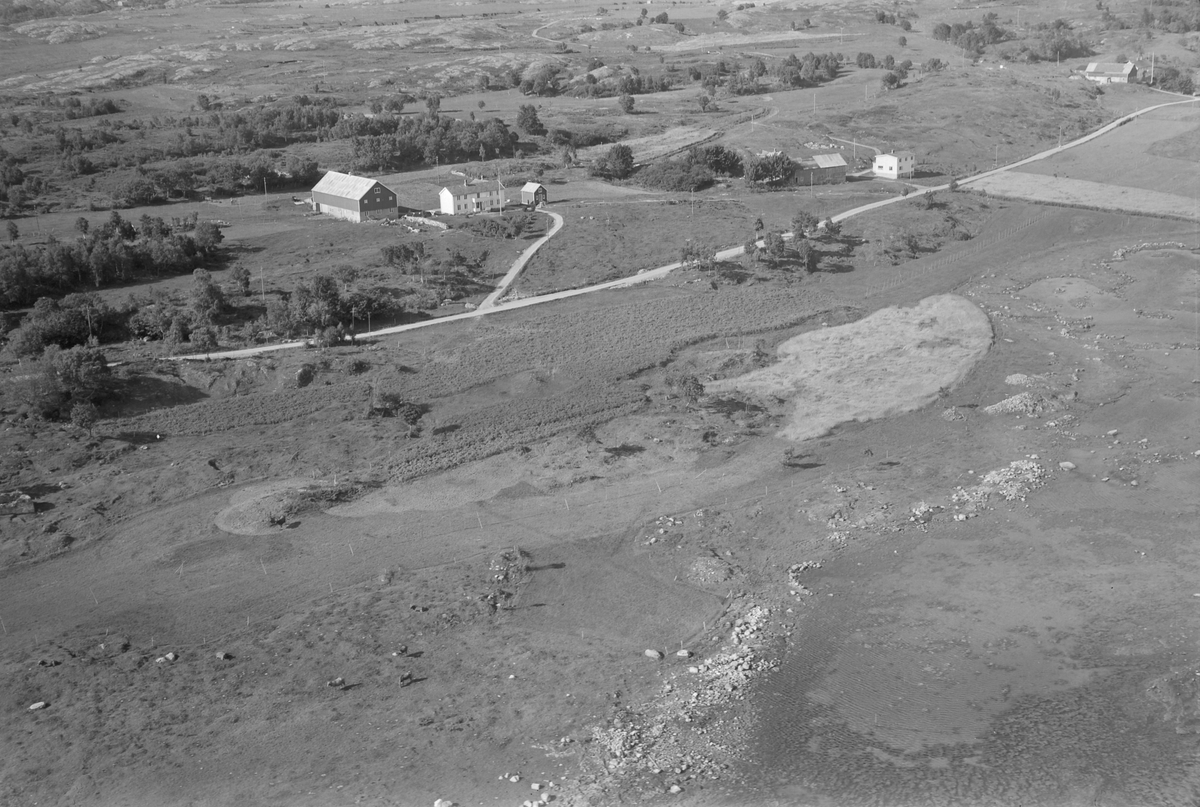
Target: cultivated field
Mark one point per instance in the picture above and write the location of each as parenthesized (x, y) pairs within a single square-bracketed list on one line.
[(1087, 194), (1155, 152)]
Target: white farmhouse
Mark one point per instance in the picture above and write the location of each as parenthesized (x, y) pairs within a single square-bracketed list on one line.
[(895, 165), (483, 197)]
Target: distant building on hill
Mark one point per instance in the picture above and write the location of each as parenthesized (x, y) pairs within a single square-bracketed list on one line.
[(1111, 72), (821, 169), (352, 198), (533, 193), (482, 197), (895, 165)]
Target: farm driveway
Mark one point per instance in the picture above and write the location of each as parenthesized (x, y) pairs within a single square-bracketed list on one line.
[(520, 262)]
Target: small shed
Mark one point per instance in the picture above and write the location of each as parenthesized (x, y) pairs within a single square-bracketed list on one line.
[(358, 199), (533, 193), (1111, 72), (895, 164)]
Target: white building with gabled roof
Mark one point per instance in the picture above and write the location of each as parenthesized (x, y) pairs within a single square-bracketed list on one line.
[(895, 164), (481, 197)]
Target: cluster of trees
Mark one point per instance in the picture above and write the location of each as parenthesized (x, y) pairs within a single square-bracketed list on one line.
[(617, 163), (971, 38), (632, 84), (67, 383), (16, 188), (428, 139), (73, 107), (115, 252), (510, 225), (887, 18), (808, 70), (694, 171), (1175, 22), (1053, 41), (1174, 80)]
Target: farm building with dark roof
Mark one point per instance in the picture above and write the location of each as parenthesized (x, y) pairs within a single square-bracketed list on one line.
[(352, 198)]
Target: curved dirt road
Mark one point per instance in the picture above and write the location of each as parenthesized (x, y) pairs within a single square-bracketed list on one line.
[(662, 271), (523, 259)]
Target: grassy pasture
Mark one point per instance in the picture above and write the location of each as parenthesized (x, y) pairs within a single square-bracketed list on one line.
[(601, 242)]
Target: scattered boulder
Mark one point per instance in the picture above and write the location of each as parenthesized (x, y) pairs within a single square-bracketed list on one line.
[(33, 707), (406, 678), (223, 656), (443, 803), (337, 683), (676, 789), (683, 653), (654, 654), (1067, 466), (171, 656)]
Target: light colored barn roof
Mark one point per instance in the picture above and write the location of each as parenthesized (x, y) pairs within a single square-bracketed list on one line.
[(347, 186), (1110, 68), (829, 161), (530, 187)]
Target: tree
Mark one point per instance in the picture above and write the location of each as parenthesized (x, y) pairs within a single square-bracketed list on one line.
[(662, 19), (803, 223), (207, 300), (203, 339), (704, 101), (890, 81), (722, 15), (833, 228), (14, 232), (241, 278), (83, 416), (616, 164), (774, 247), (207, 235), (528, 120), (750, 251), (626, 104), (953, 184), (903, 41), (81, 225), (805, 254), (433, 103)]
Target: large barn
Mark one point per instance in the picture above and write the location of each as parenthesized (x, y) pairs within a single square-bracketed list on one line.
[(1111, 72), (821, 169), (352, 198)]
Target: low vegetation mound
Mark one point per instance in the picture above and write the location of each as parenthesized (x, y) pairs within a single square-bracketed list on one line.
[(893, 361)]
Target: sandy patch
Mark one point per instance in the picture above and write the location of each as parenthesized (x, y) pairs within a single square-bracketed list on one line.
[(893, 361), (258, 509)]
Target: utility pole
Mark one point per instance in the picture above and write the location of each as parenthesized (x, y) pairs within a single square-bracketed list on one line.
[(996, 164), (1152, 68), (264, 186), (262, 285)]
